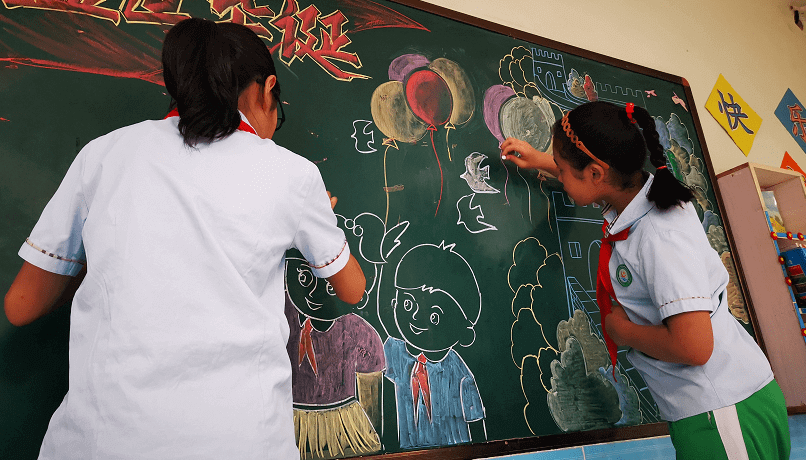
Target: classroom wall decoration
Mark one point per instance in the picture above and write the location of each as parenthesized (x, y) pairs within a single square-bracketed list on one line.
[(790, 112), (789, 163), (479, 323), (734, 114)]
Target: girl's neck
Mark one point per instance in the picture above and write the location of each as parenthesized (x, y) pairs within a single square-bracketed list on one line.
[(619, 199)]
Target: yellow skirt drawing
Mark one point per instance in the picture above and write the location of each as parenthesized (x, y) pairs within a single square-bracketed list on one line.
[(335, 433)]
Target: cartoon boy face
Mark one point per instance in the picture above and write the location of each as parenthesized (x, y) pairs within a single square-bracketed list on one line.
[(431, 320), (315, 297)]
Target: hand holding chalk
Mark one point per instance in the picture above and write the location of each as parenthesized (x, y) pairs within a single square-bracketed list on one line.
[(525, 156)]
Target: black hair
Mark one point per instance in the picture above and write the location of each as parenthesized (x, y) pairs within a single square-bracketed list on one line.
[(606, 130), (206, 66)]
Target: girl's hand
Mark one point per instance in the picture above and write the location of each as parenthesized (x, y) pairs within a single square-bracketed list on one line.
[(617, 324), (525, 156), (333, 200)]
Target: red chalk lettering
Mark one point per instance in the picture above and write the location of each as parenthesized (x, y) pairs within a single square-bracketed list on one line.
[(154, 11), (89, 8)]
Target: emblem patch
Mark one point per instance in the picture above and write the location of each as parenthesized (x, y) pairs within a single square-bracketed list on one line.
[(623, 275)]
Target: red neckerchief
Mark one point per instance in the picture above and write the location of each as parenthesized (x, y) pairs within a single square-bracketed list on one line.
[(604, 287), (419, 384), (244, 126), (306, 345)]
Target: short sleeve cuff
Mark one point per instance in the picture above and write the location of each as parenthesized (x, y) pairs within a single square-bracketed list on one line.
[(326, 269), (49, 262), (685, 305)]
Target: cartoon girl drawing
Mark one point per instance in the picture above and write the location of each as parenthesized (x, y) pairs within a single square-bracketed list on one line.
[(336, 354)]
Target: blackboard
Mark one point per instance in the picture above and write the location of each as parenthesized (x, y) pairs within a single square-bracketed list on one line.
[(402, 105)]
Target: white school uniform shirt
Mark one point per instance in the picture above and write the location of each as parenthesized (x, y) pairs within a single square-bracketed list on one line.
[(177, 334), (666, 266)]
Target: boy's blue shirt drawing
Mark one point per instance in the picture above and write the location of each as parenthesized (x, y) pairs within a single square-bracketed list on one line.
[(455, 398)]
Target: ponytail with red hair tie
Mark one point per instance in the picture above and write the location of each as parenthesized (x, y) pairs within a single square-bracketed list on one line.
[(630, 109)]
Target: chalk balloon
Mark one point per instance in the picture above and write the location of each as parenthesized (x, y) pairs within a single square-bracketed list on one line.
[(494, 97), (429, 97), (526, 120), (403, 65), (462, 94), (392, 115)]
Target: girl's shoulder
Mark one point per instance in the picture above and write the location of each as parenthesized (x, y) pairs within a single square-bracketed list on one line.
[(678, 226), (679, 219)]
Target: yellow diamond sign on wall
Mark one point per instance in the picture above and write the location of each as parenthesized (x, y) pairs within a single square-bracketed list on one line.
[(734, 114)]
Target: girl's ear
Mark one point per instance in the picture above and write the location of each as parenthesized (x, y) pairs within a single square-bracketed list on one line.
[(271, 80), (597, 173)]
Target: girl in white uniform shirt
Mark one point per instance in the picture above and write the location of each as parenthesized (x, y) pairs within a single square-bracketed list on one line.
[(177, 333), (711, 382)]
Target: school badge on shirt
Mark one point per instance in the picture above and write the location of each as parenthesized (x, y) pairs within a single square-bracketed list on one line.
[(623, 275)]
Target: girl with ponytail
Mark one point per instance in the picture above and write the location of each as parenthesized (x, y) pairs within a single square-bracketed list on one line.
[(662, 289), (178, 332)]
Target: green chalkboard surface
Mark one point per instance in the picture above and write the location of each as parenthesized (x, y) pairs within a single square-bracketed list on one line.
[(402, 105)]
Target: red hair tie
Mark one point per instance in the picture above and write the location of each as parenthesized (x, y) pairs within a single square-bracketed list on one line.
[(661, 167), (630, 110)]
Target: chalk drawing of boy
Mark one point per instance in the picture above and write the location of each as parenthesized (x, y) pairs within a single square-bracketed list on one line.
[(436, 305)]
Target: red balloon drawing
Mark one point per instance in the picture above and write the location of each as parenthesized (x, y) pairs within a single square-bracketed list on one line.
[(429, 97)]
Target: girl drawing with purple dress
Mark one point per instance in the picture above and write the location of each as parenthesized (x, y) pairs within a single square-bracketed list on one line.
[(336, 354)]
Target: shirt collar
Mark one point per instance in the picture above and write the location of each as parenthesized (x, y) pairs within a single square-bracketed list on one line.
[(638, 208), (245, 120)]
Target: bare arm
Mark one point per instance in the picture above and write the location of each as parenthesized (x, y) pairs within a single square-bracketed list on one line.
[(36, 292), (349, 282), (525, 156), (686, 338)]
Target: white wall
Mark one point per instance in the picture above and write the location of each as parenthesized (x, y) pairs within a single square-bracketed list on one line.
[(755, 44)]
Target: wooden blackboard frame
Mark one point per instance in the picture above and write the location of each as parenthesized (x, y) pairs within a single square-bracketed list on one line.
[(565, 440)]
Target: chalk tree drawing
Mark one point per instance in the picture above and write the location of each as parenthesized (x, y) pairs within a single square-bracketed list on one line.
[(596, 360), (436, 393), (421, 96), (579, 400), (689, 168), (547, 371), (569, 379), (337, 355)]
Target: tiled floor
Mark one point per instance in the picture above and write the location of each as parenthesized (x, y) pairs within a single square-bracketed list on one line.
[(653, 448)]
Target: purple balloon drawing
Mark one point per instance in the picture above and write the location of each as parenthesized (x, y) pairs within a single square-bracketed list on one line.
[(494, 97), (403, 65)]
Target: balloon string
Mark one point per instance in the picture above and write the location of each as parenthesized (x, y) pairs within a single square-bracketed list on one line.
[(447, 142), (548, 206), (528, 192), (506, 181), (440, 170), (385, 185)]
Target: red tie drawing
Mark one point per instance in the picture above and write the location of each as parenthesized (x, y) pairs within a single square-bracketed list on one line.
[(604, 287), (419, 382), (306, 345)]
